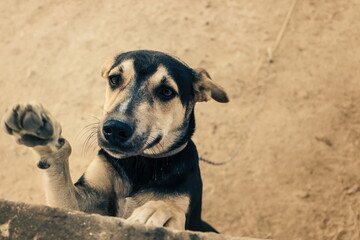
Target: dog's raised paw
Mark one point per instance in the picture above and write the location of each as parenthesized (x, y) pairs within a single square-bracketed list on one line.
[(31, 125)]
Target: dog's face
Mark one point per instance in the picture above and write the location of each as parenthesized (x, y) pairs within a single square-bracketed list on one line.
[(149, 103)]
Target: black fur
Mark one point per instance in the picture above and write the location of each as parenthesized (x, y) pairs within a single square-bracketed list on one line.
[(146, 63), (175, 175)]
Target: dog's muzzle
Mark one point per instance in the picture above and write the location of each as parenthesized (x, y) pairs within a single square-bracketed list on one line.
[(119, 138)]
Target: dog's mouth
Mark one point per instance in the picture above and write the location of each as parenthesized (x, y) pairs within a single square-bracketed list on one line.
[(121, 150), (135, 146), (154, 142)]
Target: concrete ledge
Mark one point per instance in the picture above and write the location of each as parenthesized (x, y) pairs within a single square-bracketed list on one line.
[(24, 221)]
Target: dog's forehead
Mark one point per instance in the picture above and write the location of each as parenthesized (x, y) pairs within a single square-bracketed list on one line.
[(147, 63)]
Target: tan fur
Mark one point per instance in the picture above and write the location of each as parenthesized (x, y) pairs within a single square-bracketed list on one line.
[(59, 189), (105, 69), (156, 78), (117, 96), (163, 117), (205, 88), (99, 175), (169, 211)]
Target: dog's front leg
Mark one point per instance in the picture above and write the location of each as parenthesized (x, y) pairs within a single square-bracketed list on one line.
[(33, 126), (59, 189)]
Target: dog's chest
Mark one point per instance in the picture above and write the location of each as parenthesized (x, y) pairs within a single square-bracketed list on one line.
[(142, 179), (140, 182)]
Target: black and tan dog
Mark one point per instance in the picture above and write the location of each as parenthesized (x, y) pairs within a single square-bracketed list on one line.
[(147, 170)]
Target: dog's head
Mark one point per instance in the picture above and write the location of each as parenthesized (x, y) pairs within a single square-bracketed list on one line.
[(149, 104)]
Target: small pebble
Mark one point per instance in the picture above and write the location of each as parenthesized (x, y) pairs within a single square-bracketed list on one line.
[(302, 194), (353, 189)]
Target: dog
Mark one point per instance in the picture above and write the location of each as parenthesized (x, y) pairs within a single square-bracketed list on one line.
[(147, 168)]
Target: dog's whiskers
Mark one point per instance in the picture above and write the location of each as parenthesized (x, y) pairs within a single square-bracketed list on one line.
[(85, 129), (90, 141), (93, 116)]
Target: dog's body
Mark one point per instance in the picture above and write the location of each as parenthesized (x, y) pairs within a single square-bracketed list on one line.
[(147, 170)]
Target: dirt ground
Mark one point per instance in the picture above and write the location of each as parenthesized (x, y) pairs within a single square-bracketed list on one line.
[(291, 130)]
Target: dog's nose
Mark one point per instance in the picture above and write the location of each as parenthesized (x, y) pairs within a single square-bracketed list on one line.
[(116, 131)]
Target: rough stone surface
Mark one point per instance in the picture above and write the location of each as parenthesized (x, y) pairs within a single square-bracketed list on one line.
[(24, 221)]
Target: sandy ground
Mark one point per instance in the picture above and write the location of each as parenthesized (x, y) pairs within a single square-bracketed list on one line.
[(292, 128)]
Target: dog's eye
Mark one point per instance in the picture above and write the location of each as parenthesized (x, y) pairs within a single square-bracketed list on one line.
[(166, 93), (114, 80)]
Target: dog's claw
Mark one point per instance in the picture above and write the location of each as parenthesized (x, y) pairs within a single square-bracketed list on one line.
[(28, 108), (8, 130), (44, 117), (16, 108)]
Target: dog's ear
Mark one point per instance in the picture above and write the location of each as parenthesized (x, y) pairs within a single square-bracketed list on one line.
[(106, 67), (205, 88)]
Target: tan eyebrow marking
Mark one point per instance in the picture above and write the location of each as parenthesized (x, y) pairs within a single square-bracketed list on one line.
[(126, 70), (113, 96), (157, 78)]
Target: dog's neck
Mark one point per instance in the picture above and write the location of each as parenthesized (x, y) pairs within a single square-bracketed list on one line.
[(163, 172), (166, 154)]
